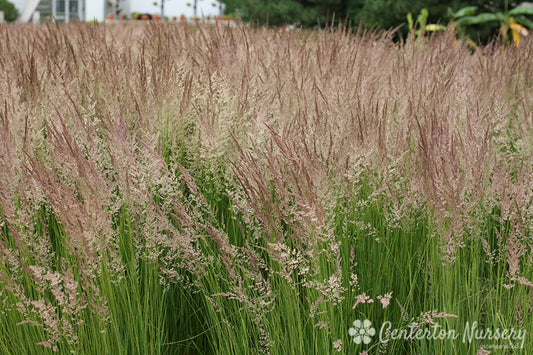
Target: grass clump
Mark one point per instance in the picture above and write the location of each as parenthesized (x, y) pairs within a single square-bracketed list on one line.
[(206, 189)]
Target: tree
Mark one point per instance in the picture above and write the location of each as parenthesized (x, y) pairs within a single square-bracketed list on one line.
[(10, 11), (277, 12)]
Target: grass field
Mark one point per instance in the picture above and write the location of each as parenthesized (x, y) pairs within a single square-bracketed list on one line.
[(173, 189)]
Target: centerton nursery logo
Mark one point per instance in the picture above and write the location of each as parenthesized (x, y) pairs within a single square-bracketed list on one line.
[(362, 332)]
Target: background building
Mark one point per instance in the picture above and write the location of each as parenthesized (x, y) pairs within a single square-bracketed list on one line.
[(87, 10)]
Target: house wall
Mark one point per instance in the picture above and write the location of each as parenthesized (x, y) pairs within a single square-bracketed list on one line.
[(94, 10), (177, 7), (19, 4)]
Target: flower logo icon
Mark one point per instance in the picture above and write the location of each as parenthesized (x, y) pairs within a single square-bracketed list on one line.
[(362, 332)]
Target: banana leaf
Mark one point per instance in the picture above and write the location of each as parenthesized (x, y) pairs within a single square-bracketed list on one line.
[(465, 11), (434, 28), (481, 18), (522, 10), (524, 21)]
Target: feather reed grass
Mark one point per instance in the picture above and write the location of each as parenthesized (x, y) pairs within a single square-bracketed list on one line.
[(207, 189)]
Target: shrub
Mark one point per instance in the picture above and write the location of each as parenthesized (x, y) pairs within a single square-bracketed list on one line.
[(10, 11)]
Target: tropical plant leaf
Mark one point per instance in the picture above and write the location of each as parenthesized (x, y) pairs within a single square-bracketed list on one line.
[(421, 19), (516, 37), (481, 18), (465, 11), (524, 21), (522, 10), (410, 21), (434, 28), (519, 29)]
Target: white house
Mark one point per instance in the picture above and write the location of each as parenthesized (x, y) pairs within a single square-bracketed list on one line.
[(61, 10), (87, 10)]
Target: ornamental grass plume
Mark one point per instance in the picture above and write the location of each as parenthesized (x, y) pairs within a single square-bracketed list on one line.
[(261, 177)]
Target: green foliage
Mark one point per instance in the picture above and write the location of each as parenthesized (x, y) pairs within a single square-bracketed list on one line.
[(421, 22), (522, 10), (510, 20), (10, 11), (465, 11), (384, 14), (278, 12), (272, 12), (380, 14)]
